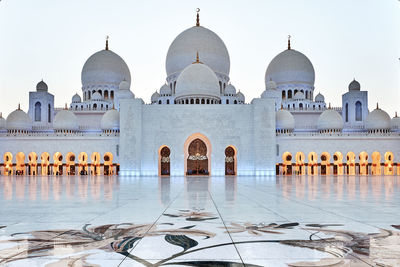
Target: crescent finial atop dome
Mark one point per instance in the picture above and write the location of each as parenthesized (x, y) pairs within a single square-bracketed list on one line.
[(198, 17), (197, 59), (107, 42), (288, 42), (19, 106)]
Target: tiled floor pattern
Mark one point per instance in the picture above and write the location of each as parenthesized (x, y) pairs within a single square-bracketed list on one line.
[(200, 221)]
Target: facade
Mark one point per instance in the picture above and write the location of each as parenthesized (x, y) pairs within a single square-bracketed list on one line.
[(198, 123)]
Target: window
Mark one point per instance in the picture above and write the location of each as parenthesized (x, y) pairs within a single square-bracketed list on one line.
[(283, 94), (167, 101), (197, 101), (235, 102), (289, 95), (227, 101), (112, 94), (358, 111), (346, 110), (38, 111), (159, 102), (192, 101), (202, 101)]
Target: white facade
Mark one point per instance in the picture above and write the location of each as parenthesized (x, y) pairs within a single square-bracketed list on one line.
[(198, 122)]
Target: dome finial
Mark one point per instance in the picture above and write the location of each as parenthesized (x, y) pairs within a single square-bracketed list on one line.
[(19, 106), (395, 114), (377, 106), (198, 17), (288, 42), (107, 42), (1, 114), (197, 59)]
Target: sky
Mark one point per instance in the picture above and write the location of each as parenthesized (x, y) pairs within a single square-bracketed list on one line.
[(344, 39)]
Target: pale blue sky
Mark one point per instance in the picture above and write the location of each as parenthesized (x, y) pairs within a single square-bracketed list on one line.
[(343, 38)]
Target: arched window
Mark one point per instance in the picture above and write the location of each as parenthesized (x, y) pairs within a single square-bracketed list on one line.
[(100, 92), (112, 94), (105, 94), (306, 94), (208, 101), (197, 101), (187, 101), (295, 91), (88, 95), (227, 101), (235, 102), (220, 87), (203, 101), (346, 110), (283, 94), (192, 101), (94, 106), (38, 111), (358, 111), (301, 105), (289, 95), (159, 102), (167, 101)]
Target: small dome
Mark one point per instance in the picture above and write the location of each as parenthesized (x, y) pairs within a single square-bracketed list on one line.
[(110, 120), (299, 96), (76, 99), (2, 123), (270, 85), (124, 85), (377, 120), (230, 90), (154, 97), (330, 120), (97, 96), (290, 66), (240, 97), (105, 68), (284, 120), (197, 80), (124, 94), (65, 120), (319, 98), (354, 86), (19, 120), (41, 86), (165, 90), (395, 123), (210, 47)]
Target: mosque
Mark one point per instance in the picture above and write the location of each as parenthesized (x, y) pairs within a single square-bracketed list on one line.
[(198, 123)]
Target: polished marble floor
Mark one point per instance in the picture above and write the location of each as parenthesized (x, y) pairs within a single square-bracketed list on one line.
[(200, 221)]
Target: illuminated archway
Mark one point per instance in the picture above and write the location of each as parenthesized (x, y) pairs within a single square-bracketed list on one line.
[(95, 163), (300, 160), (108, 163), (287, 163), (32, 164), (230, 160), (8, 165), (70, 163), (205, 160), (164, 161), (57, 164), (83, 165), (45, 163), (338, 163), (312, 163), (389, 167), (363, 157), (351, 163), (325, 163), (20, 166), (376, 163)]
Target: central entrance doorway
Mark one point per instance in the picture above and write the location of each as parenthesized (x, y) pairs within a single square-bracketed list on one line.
[(197, 161)]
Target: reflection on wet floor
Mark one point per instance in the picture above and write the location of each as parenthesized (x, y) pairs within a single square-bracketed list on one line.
[(200, 221)]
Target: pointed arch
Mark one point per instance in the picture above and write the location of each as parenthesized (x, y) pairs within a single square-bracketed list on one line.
[(351, 163), (389, 166), (287, 163), (208, 146), (20, 166), (325, 163), (45, 163), (57, 164), (300, 163), (95, 163), (312, 163), (70, 163), (363, 157), (8, 165), (32, 164), (164, 161), (230, 160), (83, 163), (108, 163), (338, 163), (376, 163)]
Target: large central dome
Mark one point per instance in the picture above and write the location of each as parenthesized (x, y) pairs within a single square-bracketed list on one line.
[(290, 66), (198, 39), (105, 68)]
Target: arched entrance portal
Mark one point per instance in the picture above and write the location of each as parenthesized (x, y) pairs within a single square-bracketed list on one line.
[(197, 151), (287, 163), (108, 163), (164, 161), (230, 161), (8, 165)]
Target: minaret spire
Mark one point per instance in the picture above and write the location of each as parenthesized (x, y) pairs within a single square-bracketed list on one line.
[(107, 42), (198, 17), (288, 42)]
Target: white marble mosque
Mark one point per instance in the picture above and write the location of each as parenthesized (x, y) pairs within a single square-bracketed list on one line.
[(198, 123)]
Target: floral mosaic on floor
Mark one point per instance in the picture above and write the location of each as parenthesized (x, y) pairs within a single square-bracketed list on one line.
[(74, 246)]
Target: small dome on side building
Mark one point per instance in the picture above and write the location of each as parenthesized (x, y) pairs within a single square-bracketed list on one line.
[(330, 120), (65, 120), (110, 120)]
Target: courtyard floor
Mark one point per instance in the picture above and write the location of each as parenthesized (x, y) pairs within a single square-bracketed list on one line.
[(200, 221)]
